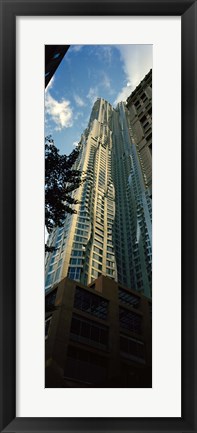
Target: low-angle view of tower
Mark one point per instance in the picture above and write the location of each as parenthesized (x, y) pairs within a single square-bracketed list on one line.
[(110, 234), (98, 288)]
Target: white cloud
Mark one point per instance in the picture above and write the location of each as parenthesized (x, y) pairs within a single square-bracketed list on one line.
[(104, 53), (123, 94), (79, 101), (92, 94), (75, 48), (137, 61), (78, 114), (75, 143), (60, 112), (107, 53), (106, 83)]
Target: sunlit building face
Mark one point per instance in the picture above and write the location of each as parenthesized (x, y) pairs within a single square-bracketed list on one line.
[(111, 233)]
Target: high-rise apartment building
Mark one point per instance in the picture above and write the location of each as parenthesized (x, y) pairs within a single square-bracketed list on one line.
[(139, 105), (111, 233)]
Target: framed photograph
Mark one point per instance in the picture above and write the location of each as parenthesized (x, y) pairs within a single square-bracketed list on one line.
[(101, 44)]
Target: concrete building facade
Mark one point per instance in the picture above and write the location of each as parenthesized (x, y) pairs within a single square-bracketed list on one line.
[(111, 233), (97, 336)]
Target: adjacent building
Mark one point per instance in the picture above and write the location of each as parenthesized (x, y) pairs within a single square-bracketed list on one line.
[(111, 233), (139, 105), (97, 336)]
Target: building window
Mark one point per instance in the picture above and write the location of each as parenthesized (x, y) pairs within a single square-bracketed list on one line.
[(108, 263), (128, 298), (76, 245), (74, 273), (97, 250), (100, 232), (99, 244), (132, 347), (98, 237), (51, 267), (91, 303), (80, 238), (88, 331), (76, 261), (52, 260), (57, 275), (97, 265), (84, 366), (97, 257), (110, 272), (50, 300), (47, 326), (95, 273), (77, 253), (49, 279), (149, 136), (130, 320)]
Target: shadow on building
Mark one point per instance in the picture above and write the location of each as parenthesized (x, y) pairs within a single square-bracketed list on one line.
[(97, 336)]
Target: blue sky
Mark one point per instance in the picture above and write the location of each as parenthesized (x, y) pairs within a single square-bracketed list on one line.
[(86, 73)]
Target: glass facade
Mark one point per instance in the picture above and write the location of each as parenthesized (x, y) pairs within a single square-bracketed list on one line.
[(91, 303), (130, 320), (128, 298), (89, 332), (111, 232)]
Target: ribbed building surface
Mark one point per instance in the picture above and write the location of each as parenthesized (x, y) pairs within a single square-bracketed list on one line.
[(139, 105), (111, 232)]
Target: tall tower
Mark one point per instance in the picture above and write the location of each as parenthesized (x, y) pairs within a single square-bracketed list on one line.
[(85, 244), (111, 232), (139, 106), (133, 220)]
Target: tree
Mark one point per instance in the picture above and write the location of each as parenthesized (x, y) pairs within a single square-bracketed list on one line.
[(61, 179)]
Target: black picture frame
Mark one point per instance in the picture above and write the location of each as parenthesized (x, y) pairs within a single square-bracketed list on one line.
[(187, 9)]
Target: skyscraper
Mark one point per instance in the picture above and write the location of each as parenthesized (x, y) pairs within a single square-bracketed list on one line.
[(139, 105), (111, 232)]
